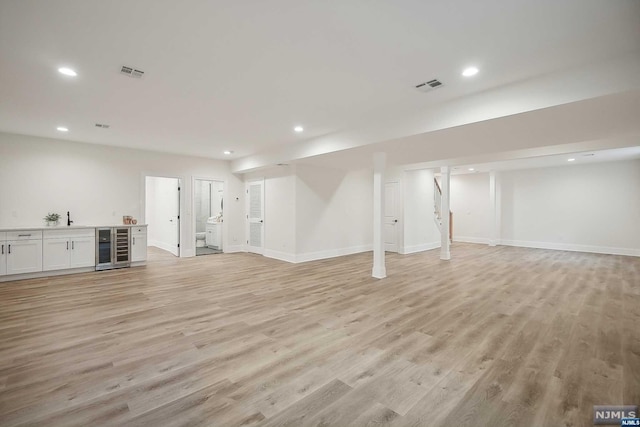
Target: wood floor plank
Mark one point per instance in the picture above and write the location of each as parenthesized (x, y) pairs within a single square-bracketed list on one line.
[(497, 336)]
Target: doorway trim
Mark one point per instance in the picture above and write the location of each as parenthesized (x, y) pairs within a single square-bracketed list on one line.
[(225, 222), (181, 204)]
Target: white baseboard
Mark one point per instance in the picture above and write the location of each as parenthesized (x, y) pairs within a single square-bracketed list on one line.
[(282, 256), (332, 253), (49, 273), (314, 256), (161, 245), (419, 248), (572, 247), (234, 248), (468, 239)]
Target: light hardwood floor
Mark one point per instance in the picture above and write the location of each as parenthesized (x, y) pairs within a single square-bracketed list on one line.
[(495, 337)]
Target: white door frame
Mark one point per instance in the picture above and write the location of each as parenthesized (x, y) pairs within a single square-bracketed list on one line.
[(254, 249), (181, 204), (225, 234)]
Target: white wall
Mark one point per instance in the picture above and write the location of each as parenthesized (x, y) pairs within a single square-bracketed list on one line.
[(593, 207), (420, 231), (99, 184), (280, 214), (161, 211), (313, 212), (471, 208), (334, 212)]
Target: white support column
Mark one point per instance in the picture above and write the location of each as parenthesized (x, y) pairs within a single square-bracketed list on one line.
[(379, 163), (494, 205), (445, 176)]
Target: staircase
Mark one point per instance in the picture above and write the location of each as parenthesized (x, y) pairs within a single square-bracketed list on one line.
[(437, 203)]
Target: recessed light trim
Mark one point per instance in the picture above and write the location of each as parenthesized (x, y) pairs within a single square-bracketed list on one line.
[(67, 71), (62, 129), (471, 169), (470, 71), (228, 152), (298, 129), (571, 160)]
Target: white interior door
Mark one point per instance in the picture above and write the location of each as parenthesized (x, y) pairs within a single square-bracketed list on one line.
[(255, 216), (162, 213), (391, 216)]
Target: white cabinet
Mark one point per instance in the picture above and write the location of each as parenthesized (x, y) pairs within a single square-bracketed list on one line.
[(83, 251), (138, 244), (55, 254), (214, 235), (3, 253), (22, 251), (68, 249)]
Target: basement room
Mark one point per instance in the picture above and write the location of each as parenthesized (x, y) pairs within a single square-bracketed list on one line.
[(333, 213)]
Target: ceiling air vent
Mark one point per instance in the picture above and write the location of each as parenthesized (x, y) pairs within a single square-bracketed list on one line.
[(102, 125), (131, 72), (430, 85)]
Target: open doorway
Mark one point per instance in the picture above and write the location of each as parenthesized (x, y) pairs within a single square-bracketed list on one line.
[(162, 213), (208, 208)]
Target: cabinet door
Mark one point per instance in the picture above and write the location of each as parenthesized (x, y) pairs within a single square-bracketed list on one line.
[(55, 254), (83, 252), (3, 258), (138, 247), (24, 256)]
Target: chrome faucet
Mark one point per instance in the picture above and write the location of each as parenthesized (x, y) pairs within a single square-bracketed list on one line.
[(69, 219)]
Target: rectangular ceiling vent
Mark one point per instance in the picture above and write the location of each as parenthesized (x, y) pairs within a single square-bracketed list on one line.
[(102, 125), (429, 86), (131, 72)]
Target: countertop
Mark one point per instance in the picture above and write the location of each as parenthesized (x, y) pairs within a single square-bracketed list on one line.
[(64, 227)]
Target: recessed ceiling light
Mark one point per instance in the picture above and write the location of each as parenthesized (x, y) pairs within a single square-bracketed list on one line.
[(228, 152), (62, 129), (298, 129), (67, 71), (471, 71), (471, 169), (570, 160)]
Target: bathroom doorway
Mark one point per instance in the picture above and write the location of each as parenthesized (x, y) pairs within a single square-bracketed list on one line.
[(208, 208)]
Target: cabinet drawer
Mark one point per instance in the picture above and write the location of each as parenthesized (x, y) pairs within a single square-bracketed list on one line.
[(24, 235), (3, 236), (138, 230), (69, 233)]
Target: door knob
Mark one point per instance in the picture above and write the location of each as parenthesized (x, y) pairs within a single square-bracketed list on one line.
[(395, 220)]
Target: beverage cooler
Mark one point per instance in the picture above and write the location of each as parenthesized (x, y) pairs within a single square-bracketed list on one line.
[(113, 247)]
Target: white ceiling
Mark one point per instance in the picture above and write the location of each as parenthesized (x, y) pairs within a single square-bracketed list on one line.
[(239, 75), (580, 158)]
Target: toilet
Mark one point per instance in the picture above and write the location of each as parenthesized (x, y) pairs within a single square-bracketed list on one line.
[(201, 239)]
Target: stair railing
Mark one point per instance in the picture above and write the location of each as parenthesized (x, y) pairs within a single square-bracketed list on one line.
[(437, 203)]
